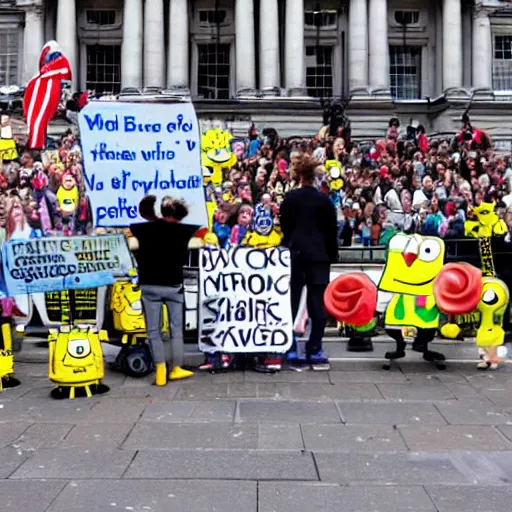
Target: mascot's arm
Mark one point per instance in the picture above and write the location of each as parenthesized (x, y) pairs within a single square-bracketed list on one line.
[(351, 299), (458, 288)]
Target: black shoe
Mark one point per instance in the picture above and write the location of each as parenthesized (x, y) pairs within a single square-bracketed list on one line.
[(359, 345)]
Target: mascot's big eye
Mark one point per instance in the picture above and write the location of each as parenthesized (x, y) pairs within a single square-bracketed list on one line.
[(429, 250), (335, 173), (79, 348), (398, 242), (489, 297)]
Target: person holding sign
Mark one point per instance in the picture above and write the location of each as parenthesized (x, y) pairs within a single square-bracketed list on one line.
[(162, 252), (308, 223)]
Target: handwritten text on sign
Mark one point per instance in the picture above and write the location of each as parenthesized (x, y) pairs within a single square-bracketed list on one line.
[(67, 263), (132, 149), (245, 300)]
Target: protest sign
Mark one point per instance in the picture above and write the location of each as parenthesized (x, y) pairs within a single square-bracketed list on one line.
[(244, 296), (64, 263), (134, 149)]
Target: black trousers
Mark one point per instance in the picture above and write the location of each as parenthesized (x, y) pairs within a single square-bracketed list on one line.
[(315, 277)]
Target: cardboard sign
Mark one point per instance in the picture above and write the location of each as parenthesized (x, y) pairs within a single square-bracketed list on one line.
[(244, 296), (134, 149), (61, 263)]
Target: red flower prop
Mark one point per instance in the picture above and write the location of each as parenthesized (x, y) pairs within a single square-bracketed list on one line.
[(351, 298), (457, 288)]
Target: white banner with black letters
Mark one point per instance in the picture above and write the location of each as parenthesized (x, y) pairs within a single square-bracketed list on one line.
[(244, 296)]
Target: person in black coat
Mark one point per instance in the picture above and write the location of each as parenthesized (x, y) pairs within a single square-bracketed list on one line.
[(309, 226)]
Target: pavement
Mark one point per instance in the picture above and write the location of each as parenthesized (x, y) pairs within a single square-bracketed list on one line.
[(355, 439)]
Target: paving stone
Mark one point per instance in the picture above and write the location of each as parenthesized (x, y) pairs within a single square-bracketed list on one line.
[(188, 411), (198, 391), (305, 376), (506, 430), (453, 437), (170, 436), (11, 460), (321, 392), (155, 393), (97, 434), (503, 461), (320, 497), (288, 412), (279, 437), (369, 376), (490, 380), (472, 498), (411, 392), (157, 496), (9, 431), (47, 411), (474, 412), (391, 414), (41, 435), (224, 465), (75, 463), (501, 397), (118, 410), (360, 438), (29, 495), (387, 468)]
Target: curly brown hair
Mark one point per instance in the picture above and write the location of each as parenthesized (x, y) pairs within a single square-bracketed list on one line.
[(305, 168)]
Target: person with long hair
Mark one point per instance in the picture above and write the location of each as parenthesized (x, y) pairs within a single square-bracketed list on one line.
[(162, 251)]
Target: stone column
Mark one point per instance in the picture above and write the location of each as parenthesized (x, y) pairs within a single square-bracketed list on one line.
[(66, 35), (294, 66), (245, 59), (452, 44), (358, 45), (154, 46), (269, 46), (177, 61), (482, 52), (379, 46), (131, 49), (33, 42)]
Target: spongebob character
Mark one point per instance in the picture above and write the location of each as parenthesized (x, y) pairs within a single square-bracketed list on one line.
[(76, 360), (488, 223), (490, 335), (6, 356), (216, 155), (413, 262), (334, 175), (263, 233)]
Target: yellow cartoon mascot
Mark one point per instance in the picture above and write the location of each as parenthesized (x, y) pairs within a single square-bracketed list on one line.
[(487, 223), (334, 175), (216, 155), (76, 361)]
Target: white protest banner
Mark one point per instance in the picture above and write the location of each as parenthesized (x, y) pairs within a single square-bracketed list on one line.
[(244, 300), (134, 149), (64, 263)]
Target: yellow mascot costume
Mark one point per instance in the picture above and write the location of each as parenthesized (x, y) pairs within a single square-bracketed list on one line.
[(76, 361)]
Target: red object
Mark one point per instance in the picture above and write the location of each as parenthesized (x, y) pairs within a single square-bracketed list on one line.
[(43, 93), (351, 298), (409, 258), (458, 288), (83, 100), (423, 143)]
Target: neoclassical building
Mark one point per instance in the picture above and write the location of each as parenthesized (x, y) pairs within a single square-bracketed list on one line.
[(272, 60)]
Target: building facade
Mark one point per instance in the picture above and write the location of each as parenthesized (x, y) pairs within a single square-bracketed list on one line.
[(253, 58)]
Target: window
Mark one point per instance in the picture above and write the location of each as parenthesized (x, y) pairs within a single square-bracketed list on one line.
[(104, 69), (502, 63), (210, 17), (405, 66), (103, 18), (319, 71), (9, 52), (213, 71), (407, 17), (325, 18)]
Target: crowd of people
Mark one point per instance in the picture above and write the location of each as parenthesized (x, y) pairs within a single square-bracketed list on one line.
[(403, 182)]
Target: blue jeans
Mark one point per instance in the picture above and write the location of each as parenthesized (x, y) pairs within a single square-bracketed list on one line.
[(153, 297)]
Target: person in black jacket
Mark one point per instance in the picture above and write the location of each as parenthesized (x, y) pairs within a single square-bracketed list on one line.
[(308, 223)]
